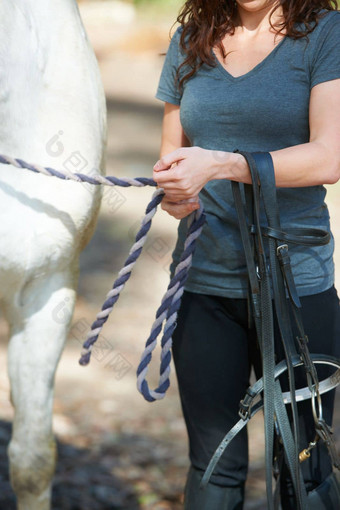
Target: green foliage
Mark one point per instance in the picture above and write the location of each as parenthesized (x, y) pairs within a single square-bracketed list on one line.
[(163, 4), (158, 9)]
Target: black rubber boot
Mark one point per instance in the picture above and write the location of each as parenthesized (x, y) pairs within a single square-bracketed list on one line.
[(326, 496), (212, 497)]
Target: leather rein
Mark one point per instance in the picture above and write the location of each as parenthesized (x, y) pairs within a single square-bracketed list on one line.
[(272, 291)]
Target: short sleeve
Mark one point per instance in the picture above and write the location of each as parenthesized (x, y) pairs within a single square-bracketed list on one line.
[(168, 88), (326, 59)]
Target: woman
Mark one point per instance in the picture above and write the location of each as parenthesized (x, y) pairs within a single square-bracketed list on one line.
[(254, 75)]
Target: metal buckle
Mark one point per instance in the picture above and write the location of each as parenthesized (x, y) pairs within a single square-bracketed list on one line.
[(244, 411), (246, 403), (281, 248), (258, 274)]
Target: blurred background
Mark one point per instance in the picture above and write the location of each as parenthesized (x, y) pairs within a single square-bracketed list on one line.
[(117, 451)]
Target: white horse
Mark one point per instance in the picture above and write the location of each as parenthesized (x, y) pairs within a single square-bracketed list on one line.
[(52, 112)]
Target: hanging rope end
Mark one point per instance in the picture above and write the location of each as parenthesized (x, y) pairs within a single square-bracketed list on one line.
[(85, 358)]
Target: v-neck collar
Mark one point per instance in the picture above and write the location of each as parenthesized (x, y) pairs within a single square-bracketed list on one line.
[(258, 66)]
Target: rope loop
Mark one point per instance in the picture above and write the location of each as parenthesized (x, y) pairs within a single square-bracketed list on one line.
[(167, 314)]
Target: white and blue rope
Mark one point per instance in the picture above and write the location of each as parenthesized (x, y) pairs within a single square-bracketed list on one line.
[(167, 312)]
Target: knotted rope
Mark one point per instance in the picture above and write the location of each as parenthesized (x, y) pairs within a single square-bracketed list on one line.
[(166, 314)]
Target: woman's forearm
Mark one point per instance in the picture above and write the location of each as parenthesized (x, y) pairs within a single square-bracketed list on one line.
[(184, 172), (308, 164)]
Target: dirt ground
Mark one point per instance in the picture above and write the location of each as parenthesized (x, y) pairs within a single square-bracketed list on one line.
[(117, 451)]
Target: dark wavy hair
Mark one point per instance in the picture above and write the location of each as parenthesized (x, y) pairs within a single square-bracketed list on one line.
[(206, 22)]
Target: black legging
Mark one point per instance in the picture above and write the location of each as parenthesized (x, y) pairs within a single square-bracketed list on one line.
[(214, 350)]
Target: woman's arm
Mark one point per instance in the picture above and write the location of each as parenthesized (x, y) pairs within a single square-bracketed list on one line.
[(309, 164), (173, 137), (316, 162)]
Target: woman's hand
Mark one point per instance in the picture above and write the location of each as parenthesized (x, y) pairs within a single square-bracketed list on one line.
[(181, 209), (184, 172)]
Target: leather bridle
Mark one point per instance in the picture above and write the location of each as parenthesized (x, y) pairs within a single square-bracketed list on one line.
[(271, 285)]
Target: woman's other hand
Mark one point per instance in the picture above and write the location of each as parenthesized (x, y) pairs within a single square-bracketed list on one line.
[(181, 209)]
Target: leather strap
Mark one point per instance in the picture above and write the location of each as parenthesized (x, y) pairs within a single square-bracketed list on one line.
[(263, 244), (249, 407), (302, 236), (266, 177)]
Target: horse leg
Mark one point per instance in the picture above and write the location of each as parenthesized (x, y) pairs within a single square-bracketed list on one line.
[(39, 323)]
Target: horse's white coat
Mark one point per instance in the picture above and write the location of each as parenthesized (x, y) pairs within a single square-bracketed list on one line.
[(52, 112)]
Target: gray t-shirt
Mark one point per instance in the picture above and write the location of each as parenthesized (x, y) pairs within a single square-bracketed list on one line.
[(266, 109)]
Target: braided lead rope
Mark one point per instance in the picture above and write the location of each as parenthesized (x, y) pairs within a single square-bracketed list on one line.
[(95, 179), (168, 312), (172, 299)]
